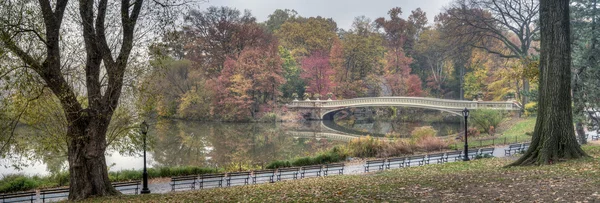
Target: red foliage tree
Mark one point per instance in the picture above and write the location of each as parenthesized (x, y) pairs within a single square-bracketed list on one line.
[(317, 73), (248, 81)]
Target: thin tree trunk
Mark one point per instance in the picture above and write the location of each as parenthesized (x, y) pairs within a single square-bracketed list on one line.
[(553, 138)]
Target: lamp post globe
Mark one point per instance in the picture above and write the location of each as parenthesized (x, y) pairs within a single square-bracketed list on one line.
[(144, 129), (465, 113)]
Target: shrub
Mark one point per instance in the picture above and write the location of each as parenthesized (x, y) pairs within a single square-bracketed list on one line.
[(396, 148), (303, 161), (422, 133), (531, 109), (473, 132), (268, 117), (278, 164), (431, 143), (14, 183), (366, 146), (484, 119)]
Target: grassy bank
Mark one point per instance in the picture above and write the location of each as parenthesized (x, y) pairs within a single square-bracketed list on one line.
[(479, 180), (514, 131)]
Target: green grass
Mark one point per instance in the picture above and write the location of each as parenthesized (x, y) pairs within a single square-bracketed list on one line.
[(514, 134), (482, 180), (520, 128)]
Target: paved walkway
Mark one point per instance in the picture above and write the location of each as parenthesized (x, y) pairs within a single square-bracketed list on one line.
[(349, 169)]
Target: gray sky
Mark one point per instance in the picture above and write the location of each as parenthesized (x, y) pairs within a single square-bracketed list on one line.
[(342, 11)]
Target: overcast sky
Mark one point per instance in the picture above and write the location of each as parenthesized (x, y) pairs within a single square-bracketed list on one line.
[(342, 11)]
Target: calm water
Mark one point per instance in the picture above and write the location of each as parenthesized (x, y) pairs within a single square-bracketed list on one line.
[(229, 145)]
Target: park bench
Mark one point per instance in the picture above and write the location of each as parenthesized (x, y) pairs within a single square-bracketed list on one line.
[(417, 159), (245, 175), (512, 148), (256, 175), (54, 193), (18, 197), (454, 155), (179, 182), (282, 172), (486, 151), (473, 153), (310, 169), (339, 167), (595, 137), (372, 163), (394, 161), (439, 158), (211, 178), (127, 186), (524, 147)]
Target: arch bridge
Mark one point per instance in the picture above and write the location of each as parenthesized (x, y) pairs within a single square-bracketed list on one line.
[(325, 109)]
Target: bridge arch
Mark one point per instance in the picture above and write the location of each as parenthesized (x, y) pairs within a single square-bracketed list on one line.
[(325, 109), (328, 114)]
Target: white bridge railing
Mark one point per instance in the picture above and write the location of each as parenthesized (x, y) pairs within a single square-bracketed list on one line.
[(325, 135), (407, 101)]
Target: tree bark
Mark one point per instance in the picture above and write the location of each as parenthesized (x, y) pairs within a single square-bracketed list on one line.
[(553, 137), (88, 171)]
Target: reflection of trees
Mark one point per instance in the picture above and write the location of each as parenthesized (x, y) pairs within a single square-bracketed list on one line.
[(405, 121), (179, 143)]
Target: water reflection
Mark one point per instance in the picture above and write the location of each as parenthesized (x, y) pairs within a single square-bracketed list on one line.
[(234, 145)]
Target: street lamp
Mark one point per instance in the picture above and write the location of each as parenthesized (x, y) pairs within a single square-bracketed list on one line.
[(145, 190), (466, 114)]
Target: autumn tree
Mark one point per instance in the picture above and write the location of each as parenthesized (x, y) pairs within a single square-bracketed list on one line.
[(485, 22), (553, 137), (247, 82), (363, 60), (303, 36), (39, 35), (436, 55), (219, 33), (318, 73)]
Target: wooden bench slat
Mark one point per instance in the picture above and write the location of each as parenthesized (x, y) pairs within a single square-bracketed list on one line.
[(263, 173), (333, 167), (379, 163), (398, 160), (311, 169)]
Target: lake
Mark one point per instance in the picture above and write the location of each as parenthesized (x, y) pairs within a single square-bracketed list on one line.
[(235, 145)]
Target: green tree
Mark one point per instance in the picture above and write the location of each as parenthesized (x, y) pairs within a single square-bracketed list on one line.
[(487, 119), (553, 137), (586, 66), (278, 17), (291, 73), (303, 36)]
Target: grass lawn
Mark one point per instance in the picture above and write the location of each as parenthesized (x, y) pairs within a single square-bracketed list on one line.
[(513, 131), (482, 180)]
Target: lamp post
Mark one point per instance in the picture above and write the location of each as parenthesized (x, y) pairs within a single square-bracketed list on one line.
[(145, 190), (466, 114)]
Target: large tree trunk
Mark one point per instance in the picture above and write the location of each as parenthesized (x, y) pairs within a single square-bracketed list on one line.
[(88, 171), (553, 138)]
